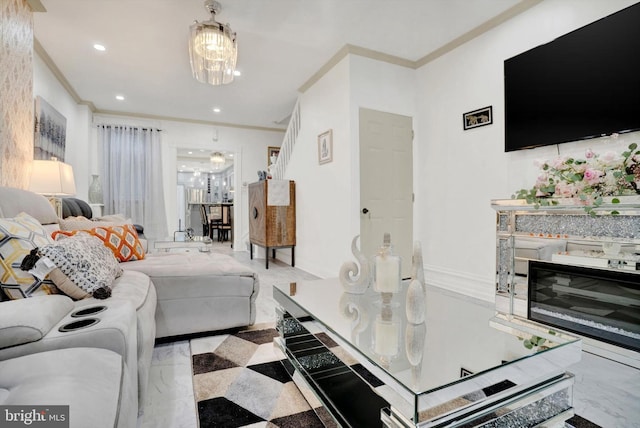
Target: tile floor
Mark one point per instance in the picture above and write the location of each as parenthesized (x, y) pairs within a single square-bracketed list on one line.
[(605, 392)]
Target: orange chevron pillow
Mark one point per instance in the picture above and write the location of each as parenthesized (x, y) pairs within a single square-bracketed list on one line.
[(122, 240)]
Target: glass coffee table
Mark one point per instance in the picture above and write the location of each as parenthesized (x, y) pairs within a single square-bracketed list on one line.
[(201, 243), (464, 366)]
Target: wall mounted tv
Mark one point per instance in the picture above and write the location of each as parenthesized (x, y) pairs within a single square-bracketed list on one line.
[(582, 85)]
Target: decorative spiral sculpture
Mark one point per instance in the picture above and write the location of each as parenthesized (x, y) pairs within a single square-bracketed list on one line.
[(356, 280), (352, 307)]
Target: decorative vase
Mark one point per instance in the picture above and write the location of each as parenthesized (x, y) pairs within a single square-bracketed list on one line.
[(95, 190), (387, 269), (416, 293)]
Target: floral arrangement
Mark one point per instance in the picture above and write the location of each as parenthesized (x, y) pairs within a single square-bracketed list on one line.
[(590, 179)]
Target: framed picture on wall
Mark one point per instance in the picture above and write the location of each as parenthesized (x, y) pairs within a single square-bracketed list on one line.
[(477, 118), (325, 147), (272, 155), (50, 132)]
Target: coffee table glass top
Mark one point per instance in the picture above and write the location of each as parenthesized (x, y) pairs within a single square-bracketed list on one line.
[(423, 363), (202, 243)]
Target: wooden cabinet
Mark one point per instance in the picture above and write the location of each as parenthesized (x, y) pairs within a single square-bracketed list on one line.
[(272, 217)]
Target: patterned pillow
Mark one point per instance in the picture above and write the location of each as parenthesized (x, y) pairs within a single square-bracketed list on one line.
[(122, 240), (18, 236), (83, 264)]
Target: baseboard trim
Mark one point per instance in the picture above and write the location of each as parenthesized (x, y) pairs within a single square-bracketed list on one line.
[(460, 282)]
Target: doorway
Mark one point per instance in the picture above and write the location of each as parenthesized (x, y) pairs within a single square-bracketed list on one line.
[(386, 183), (205, 178)]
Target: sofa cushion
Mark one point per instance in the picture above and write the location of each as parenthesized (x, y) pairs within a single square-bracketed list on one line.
[(18, 236), (93, 382), (121, 240), (84, 265), (133, 287), (195, 275), (21, 324), (14, 201)]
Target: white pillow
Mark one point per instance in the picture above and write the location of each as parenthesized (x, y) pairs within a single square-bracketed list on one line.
[(83, 223), (84, 265)]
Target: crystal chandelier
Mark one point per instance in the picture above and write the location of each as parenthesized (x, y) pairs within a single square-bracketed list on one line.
[(213, 49), (217, 157)]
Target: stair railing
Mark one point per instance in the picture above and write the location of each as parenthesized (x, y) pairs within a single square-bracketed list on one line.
[(290, 137)]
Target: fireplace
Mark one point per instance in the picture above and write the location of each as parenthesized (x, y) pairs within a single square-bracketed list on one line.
[(587, 270), (600, 303)]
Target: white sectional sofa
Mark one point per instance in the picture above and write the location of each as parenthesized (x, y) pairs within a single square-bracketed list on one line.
[(161, 296)]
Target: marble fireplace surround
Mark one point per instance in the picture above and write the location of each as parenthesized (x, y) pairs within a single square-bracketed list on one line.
[(565, 234)]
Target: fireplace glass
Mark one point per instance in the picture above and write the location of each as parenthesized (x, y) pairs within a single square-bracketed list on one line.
[(600, 303)]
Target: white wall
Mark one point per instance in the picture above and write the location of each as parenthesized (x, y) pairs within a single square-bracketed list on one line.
[(323, 192), (328, 195), (463, 170), (78, 149)]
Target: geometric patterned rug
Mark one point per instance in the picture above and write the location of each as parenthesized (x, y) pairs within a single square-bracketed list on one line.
[(241, 382)]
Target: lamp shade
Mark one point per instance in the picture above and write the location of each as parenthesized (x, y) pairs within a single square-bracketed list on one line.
[(52, 178)]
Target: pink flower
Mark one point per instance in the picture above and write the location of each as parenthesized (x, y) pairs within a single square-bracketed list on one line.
[(558, 163), (609, 157), (566, 190), (542, 179), (592, 176), (589, 154)]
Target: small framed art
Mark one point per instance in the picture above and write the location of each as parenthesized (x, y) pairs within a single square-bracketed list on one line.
[(325, 147), (272, 155), (477, 118)]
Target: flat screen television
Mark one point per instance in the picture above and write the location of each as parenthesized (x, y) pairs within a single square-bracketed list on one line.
[(582, 85)]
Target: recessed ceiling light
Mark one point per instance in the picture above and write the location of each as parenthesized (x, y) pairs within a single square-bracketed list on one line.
[(237, 73), (216, 110), (120, 97), (99, 47), (230, 155), (183, 166), (190, 153)]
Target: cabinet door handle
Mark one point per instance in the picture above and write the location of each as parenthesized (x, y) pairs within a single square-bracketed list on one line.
[(365, 210), (255, 212)]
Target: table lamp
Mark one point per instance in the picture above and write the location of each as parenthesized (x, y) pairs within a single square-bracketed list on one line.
[(52, 178)]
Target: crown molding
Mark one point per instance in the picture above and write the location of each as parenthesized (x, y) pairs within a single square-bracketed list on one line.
[(513, 11), (183, 120), (38, 49), (354, 50)]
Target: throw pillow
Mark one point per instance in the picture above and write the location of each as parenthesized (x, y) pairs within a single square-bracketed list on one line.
[(83, 223), (122, 240), (114, 218), (84, 266), (18, 237)]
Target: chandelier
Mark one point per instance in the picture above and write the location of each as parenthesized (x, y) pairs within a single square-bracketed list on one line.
[(213, 49), (217, 157)]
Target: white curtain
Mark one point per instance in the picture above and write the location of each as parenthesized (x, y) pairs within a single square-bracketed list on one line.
[(132, 176)]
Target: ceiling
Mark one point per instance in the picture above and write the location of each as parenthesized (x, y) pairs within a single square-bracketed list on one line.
[(191, 160), (281, 44)]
